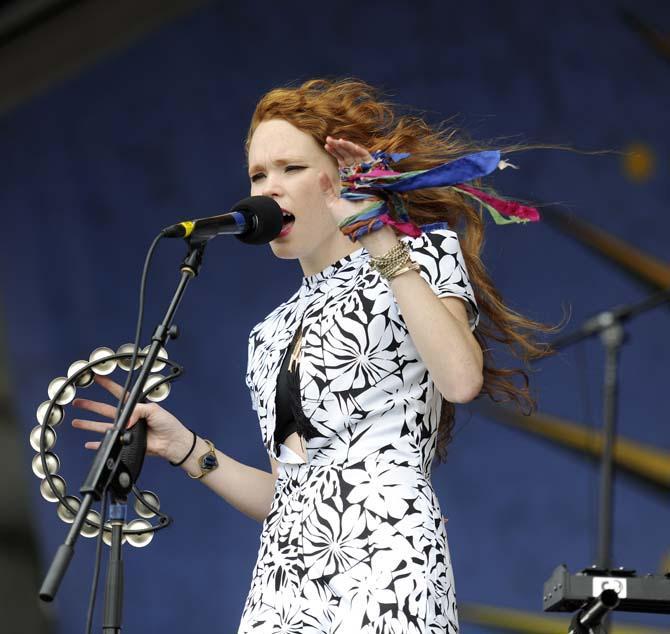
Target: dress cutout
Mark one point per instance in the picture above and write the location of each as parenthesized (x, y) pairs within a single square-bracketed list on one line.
[(290, 416), (286, 422)]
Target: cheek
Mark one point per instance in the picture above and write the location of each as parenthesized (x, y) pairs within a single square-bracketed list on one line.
[(309, 192), (333, 173)]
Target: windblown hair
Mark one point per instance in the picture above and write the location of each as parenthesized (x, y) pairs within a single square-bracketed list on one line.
[(354, 110)]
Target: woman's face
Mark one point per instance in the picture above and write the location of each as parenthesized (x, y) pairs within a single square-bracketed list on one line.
[(285, 163)]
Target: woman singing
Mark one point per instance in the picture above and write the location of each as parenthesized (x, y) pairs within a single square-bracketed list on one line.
[(354, 376)]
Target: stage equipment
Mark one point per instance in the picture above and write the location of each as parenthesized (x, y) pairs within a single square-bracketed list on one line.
[(609, 326), (46, 463), (251, 221), (564, 592), (119, 458)]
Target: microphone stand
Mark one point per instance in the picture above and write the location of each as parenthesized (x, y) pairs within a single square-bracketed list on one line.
[(112, 616), (609, 325), (108, 470)]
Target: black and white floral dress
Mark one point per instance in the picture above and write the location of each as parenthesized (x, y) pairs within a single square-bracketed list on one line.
[(355, 541)]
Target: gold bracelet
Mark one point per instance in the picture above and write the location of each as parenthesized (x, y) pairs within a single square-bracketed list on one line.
[(410, 267), (393, 260)]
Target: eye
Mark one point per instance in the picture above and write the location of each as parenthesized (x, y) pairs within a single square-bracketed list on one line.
[(256, 177), (291, 168)]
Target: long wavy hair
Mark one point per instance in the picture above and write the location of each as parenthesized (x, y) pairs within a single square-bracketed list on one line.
[(354, 110)]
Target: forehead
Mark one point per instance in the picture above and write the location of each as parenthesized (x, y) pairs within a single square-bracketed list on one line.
[(276, 140)]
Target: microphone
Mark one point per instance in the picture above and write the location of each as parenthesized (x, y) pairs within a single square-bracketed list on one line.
[(253, 220)]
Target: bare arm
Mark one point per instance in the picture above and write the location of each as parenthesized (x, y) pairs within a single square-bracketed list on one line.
[(438, 327), (246, 488)]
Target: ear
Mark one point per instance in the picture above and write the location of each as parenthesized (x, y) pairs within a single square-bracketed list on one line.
[(326, 185)]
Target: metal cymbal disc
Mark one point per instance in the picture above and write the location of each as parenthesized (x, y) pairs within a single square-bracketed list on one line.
[(91, 531), (55, 417), (67, 395), (140, 539), (66, 515), (48, 493), (107, 534), (53, 464), (158, 365), (105, 367), (124, 364), (160, 392), (84, 379), (49, 440), (144, 511)]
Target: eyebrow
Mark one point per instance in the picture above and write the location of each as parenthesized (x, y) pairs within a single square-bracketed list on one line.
[(280, 162)]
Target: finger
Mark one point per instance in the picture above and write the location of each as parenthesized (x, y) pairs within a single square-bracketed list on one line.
[(334, 151), (109, 411), (352, 150), (350, 146), (112, 387), (91, 425), (356, 153), (338, 150), (91, 445)]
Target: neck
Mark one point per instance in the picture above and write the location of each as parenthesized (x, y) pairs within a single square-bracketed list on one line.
[(328, 252)]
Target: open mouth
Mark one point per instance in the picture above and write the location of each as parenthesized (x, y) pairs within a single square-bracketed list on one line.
[(287, 223), (288, 217)]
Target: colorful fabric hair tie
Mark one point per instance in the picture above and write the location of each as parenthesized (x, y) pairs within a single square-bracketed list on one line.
[(375, 179)]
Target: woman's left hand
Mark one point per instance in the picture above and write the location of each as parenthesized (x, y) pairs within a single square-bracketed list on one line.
[(347, 154)]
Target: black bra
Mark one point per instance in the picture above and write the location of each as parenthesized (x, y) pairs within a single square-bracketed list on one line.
[(289, 414)]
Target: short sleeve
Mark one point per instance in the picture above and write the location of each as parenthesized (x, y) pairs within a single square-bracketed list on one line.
[(439, 255)]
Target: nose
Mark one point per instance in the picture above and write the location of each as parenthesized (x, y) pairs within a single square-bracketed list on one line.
[(271, 187)]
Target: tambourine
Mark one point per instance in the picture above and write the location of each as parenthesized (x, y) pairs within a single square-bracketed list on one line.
[(62, 390)]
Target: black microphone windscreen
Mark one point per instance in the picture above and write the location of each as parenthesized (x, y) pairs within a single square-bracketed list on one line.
[(268, 221)]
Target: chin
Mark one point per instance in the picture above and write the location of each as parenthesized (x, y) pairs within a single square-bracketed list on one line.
[(283, 250)]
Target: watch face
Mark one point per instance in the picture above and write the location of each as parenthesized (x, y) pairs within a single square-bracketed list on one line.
[(209, 462)]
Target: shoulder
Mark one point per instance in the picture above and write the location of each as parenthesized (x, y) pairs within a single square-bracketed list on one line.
[(436, 239), (438, 253), (260, 332)]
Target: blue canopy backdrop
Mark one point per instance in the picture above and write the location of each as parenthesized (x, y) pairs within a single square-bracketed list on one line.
[(95, 167)]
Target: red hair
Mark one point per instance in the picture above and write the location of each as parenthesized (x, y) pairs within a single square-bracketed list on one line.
[(354, 110)]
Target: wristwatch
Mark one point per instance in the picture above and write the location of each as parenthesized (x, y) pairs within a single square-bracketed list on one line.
[(207, 462)]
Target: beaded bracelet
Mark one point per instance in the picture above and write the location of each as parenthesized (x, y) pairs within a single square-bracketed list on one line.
[(190, 451)]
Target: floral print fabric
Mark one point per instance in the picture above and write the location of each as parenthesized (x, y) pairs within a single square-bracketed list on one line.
[(355, 541)]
